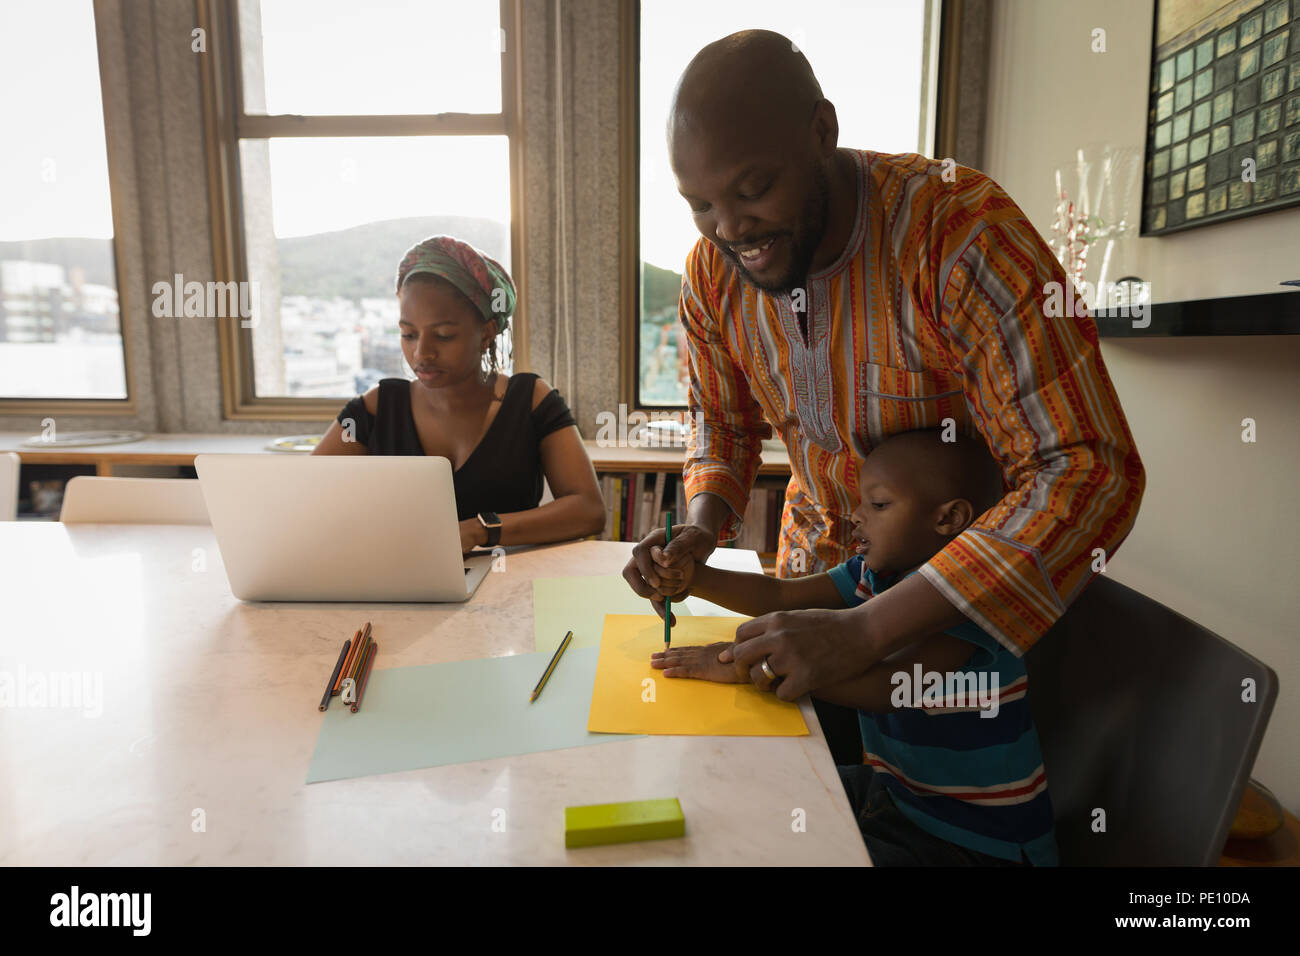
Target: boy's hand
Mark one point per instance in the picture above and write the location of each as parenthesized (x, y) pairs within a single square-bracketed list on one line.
[(698, 661)]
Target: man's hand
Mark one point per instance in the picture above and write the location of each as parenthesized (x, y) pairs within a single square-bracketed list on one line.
[(674, 582), (660, 569), (805, 649)]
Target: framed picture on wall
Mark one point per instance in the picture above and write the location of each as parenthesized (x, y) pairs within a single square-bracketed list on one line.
[(1223, 123)]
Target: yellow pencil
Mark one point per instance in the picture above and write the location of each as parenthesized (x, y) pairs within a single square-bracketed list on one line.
[(555, 659)]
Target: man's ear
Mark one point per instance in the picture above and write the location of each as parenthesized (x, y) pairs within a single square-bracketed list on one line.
[(826, 127), (954, 517)]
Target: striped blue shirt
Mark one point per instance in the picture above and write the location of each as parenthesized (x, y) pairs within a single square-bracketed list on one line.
[(961, 760)]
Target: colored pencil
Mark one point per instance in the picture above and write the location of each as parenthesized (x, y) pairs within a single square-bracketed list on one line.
[(347, 663), (359, 660), (668, 602), (356, 639), (365, 675), (555, 659), (329, 688), (361, 654)]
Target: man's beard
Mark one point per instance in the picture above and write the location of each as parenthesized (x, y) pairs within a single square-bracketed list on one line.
[(807, 237)]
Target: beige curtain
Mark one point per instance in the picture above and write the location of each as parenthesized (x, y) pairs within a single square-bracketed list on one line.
[(571, 188)]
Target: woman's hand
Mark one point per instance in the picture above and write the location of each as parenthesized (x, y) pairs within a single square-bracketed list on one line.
[(472, 534)]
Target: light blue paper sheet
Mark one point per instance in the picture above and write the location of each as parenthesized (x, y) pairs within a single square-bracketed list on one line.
[(457, 712)]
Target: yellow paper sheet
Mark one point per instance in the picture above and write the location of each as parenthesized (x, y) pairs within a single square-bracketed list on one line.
[(620, 701)]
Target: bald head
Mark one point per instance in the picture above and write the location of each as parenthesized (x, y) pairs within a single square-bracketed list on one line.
[(757, 74), (753, 147)]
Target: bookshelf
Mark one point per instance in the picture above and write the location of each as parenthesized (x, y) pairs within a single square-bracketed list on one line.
[(659, 470), (180, 449), (641, 485)]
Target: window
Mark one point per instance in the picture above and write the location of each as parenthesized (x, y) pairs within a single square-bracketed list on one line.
[(357, 131), (868, 58), (60, 328)]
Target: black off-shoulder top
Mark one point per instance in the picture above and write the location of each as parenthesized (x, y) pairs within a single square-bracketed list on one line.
[(503, 473)]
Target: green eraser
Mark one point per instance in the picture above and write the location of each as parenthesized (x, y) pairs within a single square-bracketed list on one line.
[(623, 822)]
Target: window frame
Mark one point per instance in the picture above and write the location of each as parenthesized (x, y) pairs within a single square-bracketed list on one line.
[(940, 68), (127, 304), (225, 124)]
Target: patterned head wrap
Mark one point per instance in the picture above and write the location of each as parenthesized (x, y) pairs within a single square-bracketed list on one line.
[(477, 276)]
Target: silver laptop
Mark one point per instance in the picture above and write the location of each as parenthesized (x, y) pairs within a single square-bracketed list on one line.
[(338, 528)]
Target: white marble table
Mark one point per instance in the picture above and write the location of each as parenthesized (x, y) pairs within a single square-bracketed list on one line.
[(209, 704)]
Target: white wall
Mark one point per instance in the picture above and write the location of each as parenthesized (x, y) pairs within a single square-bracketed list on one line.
[(1050, 95), (1215, 538)]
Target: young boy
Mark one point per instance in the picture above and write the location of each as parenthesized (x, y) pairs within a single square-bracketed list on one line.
[(952, 773)]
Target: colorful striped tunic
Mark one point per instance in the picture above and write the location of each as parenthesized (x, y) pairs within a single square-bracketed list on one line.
[(935, 310), (965, 771)]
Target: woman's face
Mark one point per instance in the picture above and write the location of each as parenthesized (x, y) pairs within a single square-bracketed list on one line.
[(443, 336)]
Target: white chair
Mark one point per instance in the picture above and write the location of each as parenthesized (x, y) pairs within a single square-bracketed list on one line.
[(9, 462), (89, 499)]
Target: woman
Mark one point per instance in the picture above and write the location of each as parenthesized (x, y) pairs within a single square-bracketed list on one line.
[(501, 435)]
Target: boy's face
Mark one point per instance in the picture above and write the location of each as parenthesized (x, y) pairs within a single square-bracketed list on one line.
[(892, 529)]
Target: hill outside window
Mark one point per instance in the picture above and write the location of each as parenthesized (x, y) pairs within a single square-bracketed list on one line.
[(341, 135)]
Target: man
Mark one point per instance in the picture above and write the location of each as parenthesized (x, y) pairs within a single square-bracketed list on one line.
[(842, 296)]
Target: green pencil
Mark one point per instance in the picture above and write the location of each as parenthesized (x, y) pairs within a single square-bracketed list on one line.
[(668, 602)]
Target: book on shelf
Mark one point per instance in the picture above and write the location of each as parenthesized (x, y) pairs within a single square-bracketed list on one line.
[(637, 503), (616, 526), (657, 500), (753, 520), (644, 503), (607, 495), (760, 525), (632, 494), (776, 505)]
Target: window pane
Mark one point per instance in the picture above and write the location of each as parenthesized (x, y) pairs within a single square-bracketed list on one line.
[(60, 334), (326, 222), (857, 50), (321, 57)]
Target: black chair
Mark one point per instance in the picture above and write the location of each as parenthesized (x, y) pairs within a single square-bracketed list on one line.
[(1140, 714)]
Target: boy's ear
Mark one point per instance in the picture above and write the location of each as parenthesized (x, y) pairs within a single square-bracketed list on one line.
[(954, 517)]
